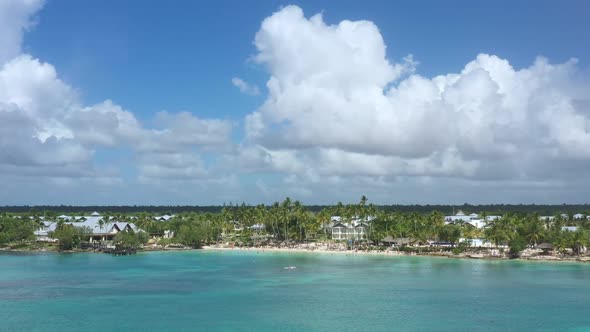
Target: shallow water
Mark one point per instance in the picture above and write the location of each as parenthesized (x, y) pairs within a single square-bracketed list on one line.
[(246, 291)]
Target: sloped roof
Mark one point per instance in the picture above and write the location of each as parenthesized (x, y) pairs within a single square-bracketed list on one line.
[(94, 223), (348, 225), (545, 246), (45, 229), (397, 240)]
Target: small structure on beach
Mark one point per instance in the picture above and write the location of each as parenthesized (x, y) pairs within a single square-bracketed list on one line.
[(546, 247), (397, 241)]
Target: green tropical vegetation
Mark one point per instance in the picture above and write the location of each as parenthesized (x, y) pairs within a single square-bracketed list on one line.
[(68, 236), (494, 209), (290, 222), (126, 240), (16, 230)]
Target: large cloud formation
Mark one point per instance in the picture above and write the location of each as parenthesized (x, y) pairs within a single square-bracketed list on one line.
[(340, 120), (47, 131), (337, 106)]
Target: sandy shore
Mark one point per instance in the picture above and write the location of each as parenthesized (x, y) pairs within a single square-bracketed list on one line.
[(583, 259), (309, 251), (323, 251)]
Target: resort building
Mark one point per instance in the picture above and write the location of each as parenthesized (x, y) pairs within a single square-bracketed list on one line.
[(42, 233), (355, 229), (473, 219), (577, 216), (569, 228), (98, 229), (257, 227), (164, 217), (477, 243)]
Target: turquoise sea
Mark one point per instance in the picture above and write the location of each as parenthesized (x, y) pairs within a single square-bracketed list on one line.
[(249, 291)]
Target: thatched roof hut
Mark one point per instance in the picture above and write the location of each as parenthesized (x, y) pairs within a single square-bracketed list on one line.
[(545, 246), (399, 241)]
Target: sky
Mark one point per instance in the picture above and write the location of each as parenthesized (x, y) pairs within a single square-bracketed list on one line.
[(210, 102)]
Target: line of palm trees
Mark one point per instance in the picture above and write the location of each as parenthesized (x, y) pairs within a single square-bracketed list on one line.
[(290, 221)]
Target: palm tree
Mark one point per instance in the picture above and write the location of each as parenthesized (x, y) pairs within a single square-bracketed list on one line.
[(416, 230), (501, 231), (370, 213), (103, 221), (436, 221), (302, 217), (323, 218), (534, 229), (286, 211), (362, 214), (349, 213), (580, 240), (145, 221), (274, 215)]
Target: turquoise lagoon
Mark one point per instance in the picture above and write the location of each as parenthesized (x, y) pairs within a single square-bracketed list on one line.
[(249, 291)]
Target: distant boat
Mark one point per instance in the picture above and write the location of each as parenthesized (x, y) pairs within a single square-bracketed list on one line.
[(290, 267)]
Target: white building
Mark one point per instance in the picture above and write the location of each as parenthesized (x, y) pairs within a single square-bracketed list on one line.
[(98, 228), (356, 229), (348, 231), (569, 228), (42, 233), (476, 243), (473, 219)]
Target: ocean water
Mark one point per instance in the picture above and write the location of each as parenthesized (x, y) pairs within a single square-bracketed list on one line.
[(249, 291)]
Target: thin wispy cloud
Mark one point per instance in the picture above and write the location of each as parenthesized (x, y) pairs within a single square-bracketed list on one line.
[(245, 87)]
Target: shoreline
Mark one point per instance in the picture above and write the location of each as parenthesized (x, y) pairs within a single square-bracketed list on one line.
[(467, 255), (470, 256), (314, 251)]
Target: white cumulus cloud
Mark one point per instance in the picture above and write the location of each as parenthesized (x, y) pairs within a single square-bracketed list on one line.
[(341, 119), (337, 106), (46, 130)]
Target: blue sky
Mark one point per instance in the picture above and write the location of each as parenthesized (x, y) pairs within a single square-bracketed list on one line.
[(181, 56)]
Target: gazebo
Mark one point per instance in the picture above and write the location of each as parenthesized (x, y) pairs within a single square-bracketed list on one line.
[(398, 241), (546, 247)]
